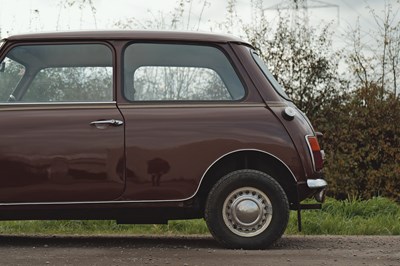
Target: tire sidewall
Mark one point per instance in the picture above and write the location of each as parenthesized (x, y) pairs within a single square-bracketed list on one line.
[(240, 179)]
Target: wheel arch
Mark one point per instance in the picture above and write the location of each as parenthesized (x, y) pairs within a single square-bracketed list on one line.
[(249, 159)]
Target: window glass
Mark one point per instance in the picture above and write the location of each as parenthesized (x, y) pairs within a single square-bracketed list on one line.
[(10, 74), (268, 75), (172, 72), (59, 73), (178, 83), (70, 84)]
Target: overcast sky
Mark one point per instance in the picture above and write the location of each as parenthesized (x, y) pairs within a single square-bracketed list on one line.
[(21, 16)]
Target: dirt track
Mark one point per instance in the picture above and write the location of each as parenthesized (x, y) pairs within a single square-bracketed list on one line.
[(105, 250)]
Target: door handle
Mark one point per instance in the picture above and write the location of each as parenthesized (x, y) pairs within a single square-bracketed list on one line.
[(112, 122)]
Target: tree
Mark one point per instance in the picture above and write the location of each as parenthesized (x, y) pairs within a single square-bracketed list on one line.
[(83, 5), (374, 56), (359, 120), (363, 140), (299, 57), (363, 144), (180, 18)]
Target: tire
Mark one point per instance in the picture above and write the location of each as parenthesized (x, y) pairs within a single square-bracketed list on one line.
[(247, 209)]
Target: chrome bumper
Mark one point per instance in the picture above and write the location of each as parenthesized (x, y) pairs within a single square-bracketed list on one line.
[(319, 185), (316, 183)]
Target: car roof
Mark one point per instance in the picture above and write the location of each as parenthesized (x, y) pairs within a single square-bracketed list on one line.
[(129, 35)]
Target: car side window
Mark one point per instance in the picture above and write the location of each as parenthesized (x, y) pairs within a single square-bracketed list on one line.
[(176, 72), (59, 73), (10, 75), (71, 84)]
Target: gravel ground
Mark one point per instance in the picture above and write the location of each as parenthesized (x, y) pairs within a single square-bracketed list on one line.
[(196, 250)]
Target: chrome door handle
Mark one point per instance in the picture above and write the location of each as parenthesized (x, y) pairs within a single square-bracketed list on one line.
[(112, 122)]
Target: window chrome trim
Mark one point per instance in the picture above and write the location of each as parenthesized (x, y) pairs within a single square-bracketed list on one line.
[(2, 42), (56, 105), (189, 105), (148, 201), (214, 46)]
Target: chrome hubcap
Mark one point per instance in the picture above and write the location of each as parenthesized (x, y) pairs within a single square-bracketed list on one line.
[(247, 211)]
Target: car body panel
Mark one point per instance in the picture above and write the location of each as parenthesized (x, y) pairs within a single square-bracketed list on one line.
[(177, 144), (50, 152), (55, 162)]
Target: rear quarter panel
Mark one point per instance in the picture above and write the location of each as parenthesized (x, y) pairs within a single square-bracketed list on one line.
[(190, 139)]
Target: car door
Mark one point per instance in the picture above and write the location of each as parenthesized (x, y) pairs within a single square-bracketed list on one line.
[(181, 114), (62, 135)]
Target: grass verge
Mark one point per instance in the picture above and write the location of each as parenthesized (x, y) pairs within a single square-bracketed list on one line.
[(378, 216)]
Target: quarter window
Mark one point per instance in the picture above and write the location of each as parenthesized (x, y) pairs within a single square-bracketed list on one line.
[(268, 75), (172, 72)]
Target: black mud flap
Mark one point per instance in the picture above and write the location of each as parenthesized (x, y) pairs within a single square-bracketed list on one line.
[(301, 207)]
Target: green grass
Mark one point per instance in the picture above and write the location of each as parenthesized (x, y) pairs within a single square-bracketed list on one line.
[(378, 216), (81, 227)]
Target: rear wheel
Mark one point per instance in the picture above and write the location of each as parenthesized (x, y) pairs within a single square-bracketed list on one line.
[(247, 209)]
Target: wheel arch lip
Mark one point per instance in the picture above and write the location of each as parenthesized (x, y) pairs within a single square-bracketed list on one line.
[(158, 201), (244, 150)]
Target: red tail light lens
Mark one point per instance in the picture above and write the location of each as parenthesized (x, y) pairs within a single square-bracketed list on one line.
[(316, 152)]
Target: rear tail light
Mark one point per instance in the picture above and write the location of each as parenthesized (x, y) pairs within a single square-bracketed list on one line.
[(316, 153)]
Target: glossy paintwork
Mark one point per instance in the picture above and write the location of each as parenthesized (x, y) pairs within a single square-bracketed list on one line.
[(49, 154), (189, 140), (254, 76), (129, 35), (297, 128)]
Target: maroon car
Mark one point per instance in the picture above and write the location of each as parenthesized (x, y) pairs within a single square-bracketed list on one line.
[(146, 127)]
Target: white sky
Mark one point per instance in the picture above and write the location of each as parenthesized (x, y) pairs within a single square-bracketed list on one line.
[(21, 16)]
